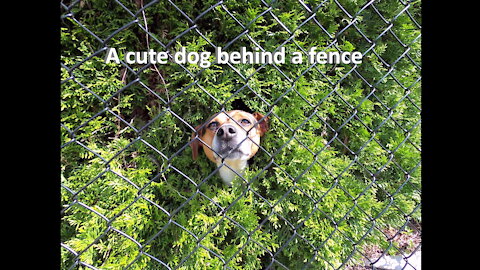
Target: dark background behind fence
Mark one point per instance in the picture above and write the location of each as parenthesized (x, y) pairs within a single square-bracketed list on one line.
[(335, 185)]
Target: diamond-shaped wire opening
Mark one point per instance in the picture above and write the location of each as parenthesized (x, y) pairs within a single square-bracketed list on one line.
[(108, 184), (295, 242), (386, 239), (99, 252), (321, 231), (79, 243), (172, 253)]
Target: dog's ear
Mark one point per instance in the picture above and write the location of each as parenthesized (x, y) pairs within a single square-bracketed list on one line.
[(262, 122), (196, 144)]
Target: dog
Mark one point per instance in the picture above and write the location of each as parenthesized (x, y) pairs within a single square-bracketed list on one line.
[(232, 138)]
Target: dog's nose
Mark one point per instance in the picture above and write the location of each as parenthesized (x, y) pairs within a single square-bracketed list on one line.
[(226, 132)]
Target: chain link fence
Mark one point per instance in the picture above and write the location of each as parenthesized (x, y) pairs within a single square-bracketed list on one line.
[(335, 183)]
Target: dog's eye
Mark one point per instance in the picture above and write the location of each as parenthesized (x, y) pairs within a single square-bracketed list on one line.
[(213, 125), (245, 122)]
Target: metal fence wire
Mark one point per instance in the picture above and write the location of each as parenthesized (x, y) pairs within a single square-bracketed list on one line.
[(335, 183)]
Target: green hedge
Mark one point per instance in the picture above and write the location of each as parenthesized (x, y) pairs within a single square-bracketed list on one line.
[(322, 190)]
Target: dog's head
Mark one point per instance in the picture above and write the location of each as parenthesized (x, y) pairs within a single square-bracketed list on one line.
[(230, 136)]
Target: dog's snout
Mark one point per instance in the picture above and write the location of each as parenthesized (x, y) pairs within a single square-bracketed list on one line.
[(226, 132)]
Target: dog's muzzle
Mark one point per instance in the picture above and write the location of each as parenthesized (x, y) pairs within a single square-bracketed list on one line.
[(228, 141)]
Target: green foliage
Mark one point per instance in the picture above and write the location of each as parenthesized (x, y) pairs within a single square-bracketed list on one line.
[(341, 159)]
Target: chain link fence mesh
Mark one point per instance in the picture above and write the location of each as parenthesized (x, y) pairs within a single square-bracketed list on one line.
[(336, 182)]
